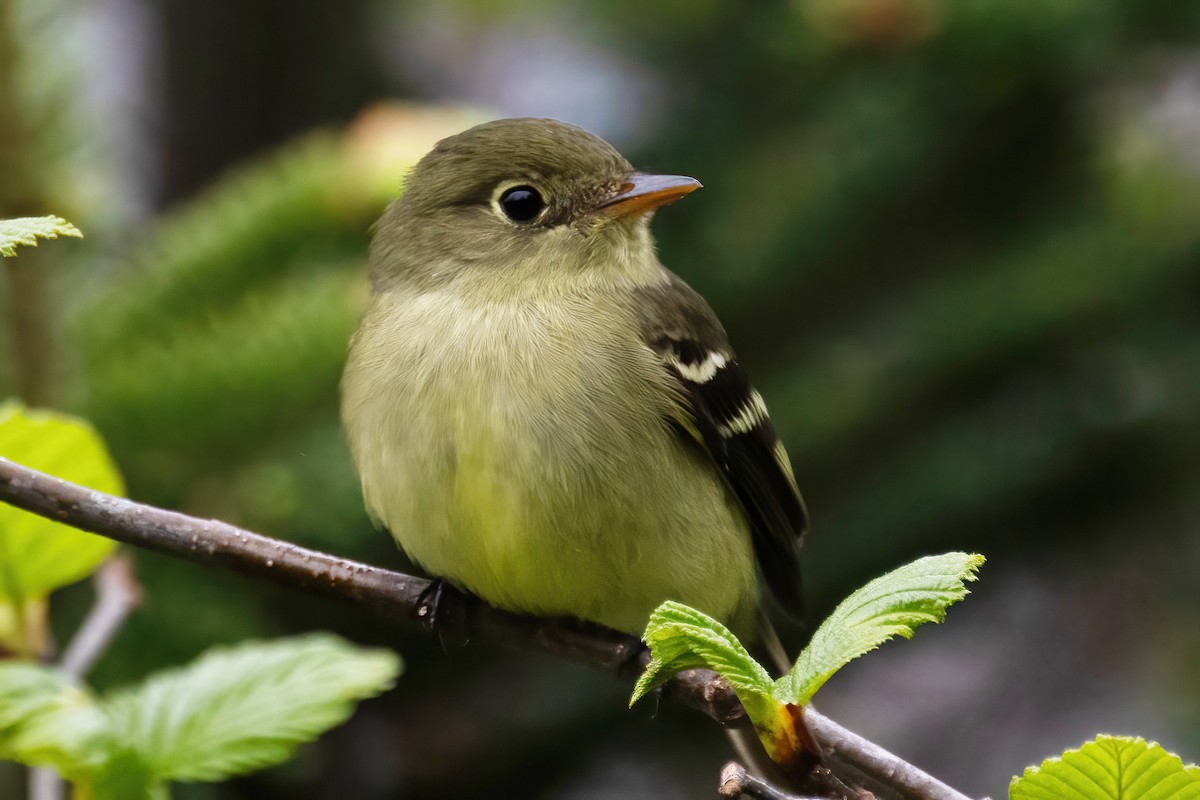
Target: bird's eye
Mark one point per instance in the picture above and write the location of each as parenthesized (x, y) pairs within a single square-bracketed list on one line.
[(522, 203)]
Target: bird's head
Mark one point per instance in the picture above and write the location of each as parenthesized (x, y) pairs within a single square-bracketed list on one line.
[(537, 196)]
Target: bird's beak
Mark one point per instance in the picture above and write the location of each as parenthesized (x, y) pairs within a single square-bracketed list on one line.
[(644, 192)]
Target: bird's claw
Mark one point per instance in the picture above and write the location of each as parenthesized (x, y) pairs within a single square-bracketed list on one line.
[(442, 609)]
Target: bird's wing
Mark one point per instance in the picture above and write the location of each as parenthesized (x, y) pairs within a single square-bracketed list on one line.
[(725, 414)]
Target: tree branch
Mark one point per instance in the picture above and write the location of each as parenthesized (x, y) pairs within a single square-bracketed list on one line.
[(402, 598), (737, 781), (117, 595)]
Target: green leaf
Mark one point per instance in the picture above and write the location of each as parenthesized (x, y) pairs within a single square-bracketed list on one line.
[(1110, 768), (46, 719), (682, 638), (241, 709), (125, 776), (892, 604), (27, 230), (36, 554)]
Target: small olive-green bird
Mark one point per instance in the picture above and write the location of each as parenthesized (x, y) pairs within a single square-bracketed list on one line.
[(545, 416)]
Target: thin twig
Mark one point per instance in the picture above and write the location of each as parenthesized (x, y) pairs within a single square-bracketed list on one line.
[(117, 595), (737, 781), (45, 784), (400, 597), (872, 762)]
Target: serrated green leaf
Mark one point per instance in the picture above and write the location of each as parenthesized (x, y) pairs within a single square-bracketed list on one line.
[(682, 638), (46, 719), (1110, 768), (125, 776), (244, 708), (894, 604), (36, 554), (27, 230)]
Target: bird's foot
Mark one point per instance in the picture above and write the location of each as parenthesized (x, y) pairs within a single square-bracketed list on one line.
[(633, 658), (432, 604), (442, 609)]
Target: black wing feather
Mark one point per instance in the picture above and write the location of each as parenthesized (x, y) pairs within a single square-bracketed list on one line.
[(728, 417)]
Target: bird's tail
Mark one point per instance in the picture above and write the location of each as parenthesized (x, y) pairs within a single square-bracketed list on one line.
[(772, 645)]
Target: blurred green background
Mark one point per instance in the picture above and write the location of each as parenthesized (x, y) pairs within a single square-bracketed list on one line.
[(955, 241)]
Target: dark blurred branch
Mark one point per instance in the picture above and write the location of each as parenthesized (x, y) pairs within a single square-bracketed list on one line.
[(20, 195), (28, 328), (403, 598)]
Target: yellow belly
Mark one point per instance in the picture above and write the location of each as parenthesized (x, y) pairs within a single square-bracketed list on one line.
[(549, 497)]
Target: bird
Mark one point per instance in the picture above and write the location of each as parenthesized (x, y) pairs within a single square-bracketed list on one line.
[(542, 414)]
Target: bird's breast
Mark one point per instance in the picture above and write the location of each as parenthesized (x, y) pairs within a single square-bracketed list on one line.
[(514, 446), (497, 412)]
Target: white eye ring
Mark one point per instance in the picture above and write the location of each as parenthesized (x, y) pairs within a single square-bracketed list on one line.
[(521, 204)]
